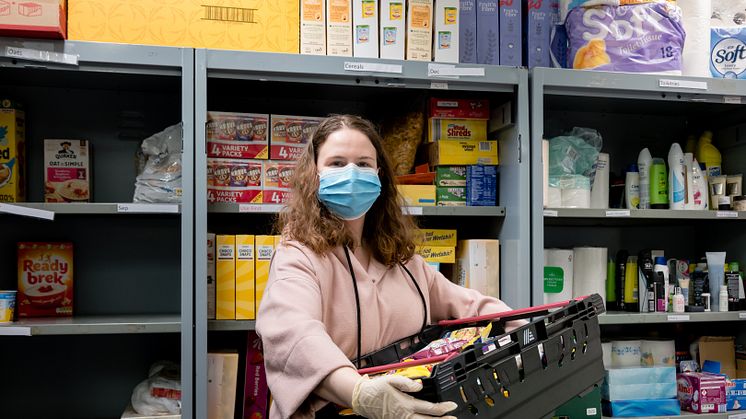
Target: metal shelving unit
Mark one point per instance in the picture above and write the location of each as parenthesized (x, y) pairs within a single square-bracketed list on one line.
[(231, 325), (235, 208), (634, 215), (39, 209), (613, 317), (725, 415), (93, 325)]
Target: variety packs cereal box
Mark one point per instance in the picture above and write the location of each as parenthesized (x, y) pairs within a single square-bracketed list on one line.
[(234, 180), (45, 279), (67, 173), (290, 134), (276, 181), (237, 135), (12, 152)]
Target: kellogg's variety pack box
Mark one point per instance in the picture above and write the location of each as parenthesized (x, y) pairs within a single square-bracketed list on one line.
[(237, 135), (290, 134), (276, 177), (45, 279), (12, 152), (234, 180)]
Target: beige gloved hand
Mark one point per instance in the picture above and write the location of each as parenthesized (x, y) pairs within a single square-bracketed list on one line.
[(386, 397)]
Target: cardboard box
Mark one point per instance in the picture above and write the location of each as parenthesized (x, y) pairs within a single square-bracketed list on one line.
[(452, 196), (211, 279), (393, 29), (245, 309), (290, 134), (249, 25), (265, 248), (237, 135), (439, 254), (538, 18), (45, 279), (488, 32), (12, 152), (225, 273), (256, 391), (456, 129), (365, 28), (417, 195), (640, 408), (276, 181), (511, 33), (34, 19), (446, 41), (67, 171), (459, 108), (481, 186), (460, 153), (467, 37), (701, 392), (222, 377), (436, 237), (234, 180), (478, 266), (720, 349), (735, 394), (313, 27), (420, 30), (450, 176), (339, 28)]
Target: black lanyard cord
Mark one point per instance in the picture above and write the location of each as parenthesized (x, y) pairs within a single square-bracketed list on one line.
[(422, 297)]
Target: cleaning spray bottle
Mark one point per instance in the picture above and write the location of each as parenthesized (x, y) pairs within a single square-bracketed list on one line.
[(658, 184), (644, 161), (676, 178), (709, 155)]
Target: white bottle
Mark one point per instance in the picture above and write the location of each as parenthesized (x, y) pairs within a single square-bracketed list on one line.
[(688, 174), (632, 188), (676, 178), (678, 301), (644, 161), (723, 298), (700, 193)]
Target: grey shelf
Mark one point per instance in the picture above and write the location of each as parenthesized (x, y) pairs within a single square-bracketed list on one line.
[(93, 325), (725, 415), (231, 325), (233, 208), (621, 214), (640, 318), (88, 208)]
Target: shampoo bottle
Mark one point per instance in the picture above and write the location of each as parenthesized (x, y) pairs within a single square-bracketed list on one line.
[(632, 188), (644, 161), (630, 285), (676, 178), (621, 266), (658, 184), (709, 154), (678, 301), (700, 189)]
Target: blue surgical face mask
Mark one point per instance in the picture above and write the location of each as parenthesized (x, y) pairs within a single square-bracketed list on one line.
[(349, 191)]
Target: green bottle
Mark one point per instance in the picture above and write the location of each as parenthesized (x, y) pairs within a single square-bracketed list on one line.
[(658, 184)]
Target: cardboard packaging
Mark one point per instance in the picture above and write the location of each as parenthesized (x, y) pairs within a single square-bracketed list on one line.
[(12, 152), (735, 394), (462, 153), (451, 196), (34, 19), (256, 391), (225, 272), (365, 28), (467, 37), (265, 248), (478, 266), (234, 180), (313, 27), (393, 29), (438, 254), (436, 237), (459, 108), (222, 377), (290, 134), (67, 171), (488, 32), (417, 195), (538, 18), (511, 33), (45, 280), (211, 279), (639, 383), (720, 349), (245, 309), (450, 176), (481, 186), (641, 408), (237, 135), (339, 28), (701, 392), (456, 129), (276, 176), (501, 117), (420, 30), (446, 39), (246, 25)]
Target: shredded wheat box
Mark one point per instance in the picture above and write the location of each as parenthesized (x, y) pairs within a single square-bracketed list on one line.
[(67, 171), (12, 152), (45, 279)]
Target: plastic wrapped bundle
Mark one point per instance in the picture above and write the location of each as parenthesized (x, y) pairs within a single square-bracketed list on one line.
[(159, 179), (161, 393)]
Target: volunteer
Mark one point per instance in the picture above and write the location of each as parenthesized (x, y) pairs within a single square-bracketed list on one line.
[(346, 281)]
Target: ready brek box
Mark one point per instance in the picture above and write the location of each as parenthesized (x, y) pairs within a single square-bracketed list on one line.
[(45, 279), (237, 135)]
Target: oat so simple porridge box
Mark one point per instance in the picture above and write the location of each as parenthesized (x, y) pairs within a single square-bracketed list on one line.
[(67, 171)]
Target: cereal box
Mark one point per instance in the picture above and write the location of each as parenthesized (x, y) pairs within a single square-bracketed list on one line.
[(34, 19), (256, 392), (290, 134), (276, 181), (45, 279), (234, 180), (457, 129), (67, 171), (313, 27), (237, 135), (419, 30), (446, 36), (210, 275), (459, 108), (12, 152), (265, 249), (466, 152), (453, 196), (438, 237), (339, 27), (365, 28), (392, 30), (225, 271), (440, 254), (245, 277)]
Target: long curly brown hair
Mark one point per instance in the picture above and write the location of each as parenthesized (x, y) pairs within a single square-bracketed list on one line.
[(388, 234)]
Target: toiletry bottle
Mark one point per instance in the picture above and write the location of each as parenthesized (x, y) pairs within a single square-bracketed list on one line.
[(691, 144), (676, 178), (644, 161), (709, 154), (688, 175), (611, 299), (662, 266), (723, 298), (651, 299), (632, 188), (678, 301), (716, 274), (706, 301), (658, 184), (733, 281), (697, 288), (660, 292), (631, 292), (645, 272), (700, 188), (621, 266)]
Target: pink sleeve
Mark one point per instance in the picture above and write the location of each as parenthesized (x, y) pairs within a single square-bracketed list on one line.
[(298, 353)]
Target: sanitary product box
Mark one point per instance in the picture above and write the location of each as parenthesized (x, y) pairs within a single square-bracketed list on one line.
[(225, 271), (365, 28), (339, 28), (34, 19), (12, 152), (393, 31), (313, 27), (419, 30), (245, 307), (735, 394)]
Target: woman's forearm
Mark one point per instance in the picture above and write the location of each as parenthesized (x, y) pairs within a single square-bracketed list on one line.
[(337, 387)]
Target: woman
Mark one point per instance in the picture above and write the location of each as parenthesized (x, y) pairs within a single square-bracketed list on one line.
[(346, 281)]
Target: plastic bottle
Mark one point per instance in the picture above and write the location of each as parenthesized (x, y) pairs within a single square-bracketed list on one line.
[(723, 298), (678, 301), (676, 178), (632, 187), (644, 161), (658, 184), (662, 266), (691, 144), (700, 189), (631, 292), (709, 154)]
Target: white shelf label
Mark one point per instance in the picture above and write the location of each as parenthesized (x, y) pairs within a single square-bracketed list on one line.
[(43, 56), (617, 213), (439, 85), (732, 100), (678, 317), (551, 213), (373, 67), (411, 210), (148, 208), (15, 331), (686, 84), (742, 315), (249, 208), (726, 214), (27, 212), (591, 411), (445, 70), (738, 416)]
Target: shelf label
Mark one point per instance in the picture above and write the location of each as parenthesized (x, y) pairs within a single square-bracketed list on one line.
[(444, 70), (43, 56), (617, 213), (726, 214), (591, 411), (411, 210), (373, 67), (732, 100), (439, 85), (742, 315), (678, 317), (15, 331), (249, 208), (551, 213), (26, 211), (686, 84), (738, 416), (148, 208)]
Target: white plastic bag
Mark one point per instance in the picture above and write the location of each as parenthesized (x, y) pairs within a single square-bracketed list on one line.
[(161, 393), (160, 178)]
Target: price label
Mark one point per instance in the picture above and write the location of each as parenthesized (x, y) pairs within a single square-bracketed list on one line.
[(440, 70), (373, 67), (148, 208), (439, 85), (27, 212), (685, 84), (249, 208), (726, 214), (42, 56), (732, 100), (411, 210), (551, 213), (591, 411), (617, 213), (678, 317), (15, 331), (738, 416), (742, 315)]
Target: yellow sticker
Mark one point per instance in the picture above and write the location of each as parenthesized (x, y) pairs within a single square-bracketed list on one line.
[(396, 11), (369, 8), (450, 14)]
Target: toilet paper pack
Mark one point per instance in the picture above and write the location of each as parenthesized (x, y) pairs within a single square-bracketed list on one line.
[(728, 53)]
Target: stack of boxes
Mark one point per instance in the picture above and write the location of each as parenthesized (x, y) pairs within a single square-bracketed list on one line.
[(640, 391), (437, 246)]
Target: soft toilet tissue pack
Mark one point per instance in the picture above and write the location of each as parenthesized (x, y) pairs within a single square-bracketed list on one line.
[(625, 353), (558, 275), (728, 54), (658, 352)]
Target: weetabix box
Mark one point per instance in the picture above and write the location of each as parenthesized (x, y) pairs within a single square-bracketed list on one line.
[(393, 29), (488, 32), (437, 254), (290, 134), (511, 34), (234, 180), (446, 39), (438, 237), (365, 28), (237, 135), (225, 272), (467, 38), (45, 279), (462, 152), (245, 258), (211, 275), (265, 249), (34, 19), (313, 27), (12, 152), (539, 23), (339, 28), (67, 171), (248, 25), (420, 30)]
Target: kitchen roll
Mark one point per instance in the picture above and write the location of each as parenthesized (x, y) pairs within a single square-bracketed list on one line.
[(545, 166), (696, 19), (625, 353), (600, 187), (658, 352), (558, 275), (589, 271), (606, 349), (555, 197)]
